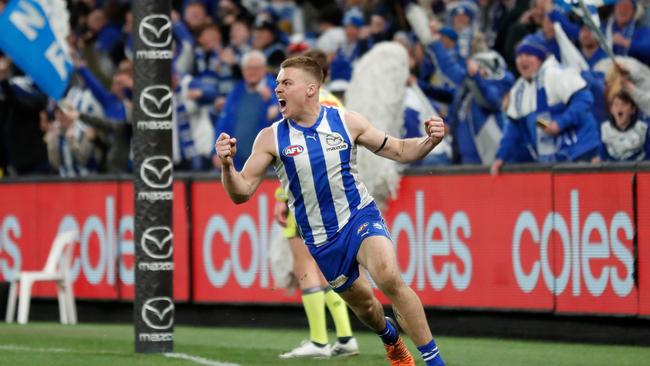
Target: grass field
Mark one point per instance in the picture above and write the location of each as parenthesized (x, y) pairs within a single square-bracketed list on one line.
[(51, 344)]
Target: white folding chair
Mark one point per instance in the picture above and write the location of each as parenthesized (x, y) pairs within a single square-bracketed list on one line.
[(57, 269)]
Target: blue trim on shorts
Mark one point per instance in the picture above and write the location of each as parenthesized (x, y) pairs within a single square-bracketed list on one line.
[(337, 258)]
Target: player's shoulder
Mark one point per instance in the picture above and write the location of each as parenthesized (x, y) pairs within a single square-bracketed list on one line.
[(266, 139), (354, 119), (355, 122)]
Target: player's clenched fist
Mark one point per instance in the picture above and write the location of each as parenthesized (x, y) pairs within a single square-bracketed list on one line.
[(435, 128), (226, 147)]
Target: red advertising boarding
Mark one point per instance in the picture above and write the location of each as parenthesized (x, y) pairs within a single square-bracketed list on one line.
[(91, 210), (532, 241), (594, 232), (31, 215), (643, 220), (230, 250), (473, 240), (19, 228)]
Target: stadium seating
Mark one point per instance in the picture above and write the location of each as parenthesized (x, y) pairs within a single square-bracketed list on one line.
[(57, 269)]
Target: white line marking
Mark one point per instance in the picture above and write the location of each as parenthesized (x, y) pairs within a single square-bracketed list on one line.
[(13, 347), (183, 356), (199, 360)]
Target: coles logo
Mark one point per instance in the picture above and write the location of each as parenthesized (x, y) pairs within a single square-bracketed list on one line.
[(580, 248), (293, 150)]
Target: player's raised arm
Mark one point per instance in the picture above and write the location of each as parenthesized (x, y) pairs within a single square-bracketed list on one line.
[(242, 185), (400, 150)]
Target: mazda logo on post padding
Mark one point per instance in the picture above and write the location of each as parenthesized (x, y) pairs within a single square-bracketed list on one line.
[(156, 101), (157, 242), (156, 30), (156, 171), (158, 312)]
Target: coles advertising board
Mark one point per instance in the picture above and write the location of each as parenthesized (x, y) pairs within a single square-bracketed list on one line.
[(230, 251), (643, 241), (594, 249), (473, 241), (31, 214), (546, 241)]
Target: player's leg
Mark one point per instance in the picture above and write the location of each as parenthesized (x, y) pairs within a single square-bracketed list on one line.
[(369, 310), (377, 255), (317, 294), (346, 344)]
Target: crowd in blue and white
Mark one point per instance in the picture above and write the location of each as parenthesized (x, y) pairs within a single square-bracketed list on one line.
[(517, 81)]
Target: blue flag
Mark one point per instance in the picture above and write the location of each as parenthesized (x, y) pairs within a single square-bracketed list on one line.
[(28, 39)]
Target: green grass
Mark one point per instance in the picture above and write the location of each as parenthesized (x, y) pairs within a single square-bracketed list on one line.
[(50, 344)]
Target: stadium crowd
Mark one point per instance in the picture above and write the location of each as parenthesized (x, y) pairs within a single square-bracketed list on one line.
[(516, 80)]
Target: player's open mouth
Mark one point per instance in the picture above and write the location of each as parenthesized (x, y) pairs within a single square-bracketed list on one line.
[(283, 105)]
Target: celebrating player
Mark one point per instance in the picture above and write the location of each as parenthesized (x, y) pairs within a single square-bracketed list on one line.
[(313, 151)]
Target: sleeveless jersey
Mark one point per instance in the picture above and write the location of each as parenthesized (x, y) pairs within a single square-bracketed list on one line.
[(317, 169)]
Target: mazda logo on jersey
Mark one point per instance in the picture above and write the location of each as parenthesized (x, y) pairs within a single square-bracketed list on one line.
[(157, 242), (335, 142), (156, 30), (156, 101), (158, 312), (334, 139), (156, 171), (293, 150)]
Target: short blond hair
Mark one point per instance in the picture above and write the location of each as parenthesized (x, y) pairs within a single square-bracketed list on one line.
[(306, 64)]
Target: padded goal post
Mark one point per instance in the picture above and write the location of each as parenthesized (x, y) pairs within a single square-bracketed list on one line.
[(153, 176)]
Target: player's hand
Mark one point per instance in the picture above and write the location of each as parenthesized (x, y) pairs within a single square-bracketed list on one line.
[(226, 147), (435, 128), (280, 213)]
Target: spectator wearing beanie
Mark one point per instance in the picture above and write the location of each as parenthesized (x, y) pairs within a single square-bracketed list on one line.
[(550, 112), (461, 20), (356, 44)]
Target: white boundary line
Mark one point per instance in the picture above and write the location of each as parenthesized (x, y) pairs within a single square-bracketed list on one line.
[(13, 347), (199, 360), (183, 356)]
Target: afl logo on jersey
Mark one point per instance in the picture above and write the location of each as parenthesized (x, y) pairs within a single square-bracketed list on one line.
[(293, 150)]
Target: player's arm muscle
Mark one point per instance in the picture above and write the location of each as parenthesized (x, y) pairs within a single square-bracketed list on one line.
[(242, 185), (400, 150)]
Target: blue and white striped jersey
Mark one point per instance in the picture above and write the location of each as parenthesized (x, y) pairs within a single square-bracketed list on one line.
[(317, 169)]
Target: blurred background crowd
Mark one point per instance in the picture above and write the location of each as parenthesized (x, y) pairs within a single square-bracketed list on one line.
[(516, 80)]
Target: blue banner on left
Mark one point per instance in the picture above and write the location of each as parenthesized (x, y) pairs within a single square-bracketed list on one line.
[(30, 42)]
